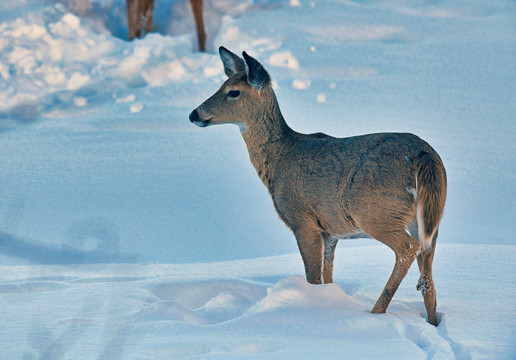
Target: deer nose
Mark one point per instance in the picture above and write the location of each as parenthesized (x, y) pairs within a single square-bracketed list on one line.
[(194, 116)]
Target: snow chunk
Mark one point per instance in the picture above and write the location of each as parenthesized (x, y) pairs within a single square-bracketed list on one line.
[(68, 24), (321, 98), (284, 59), (301, 84), (134, 62), (164, 73), (136, 108), (231, 34), (31, 32), (71, 20), (212, 70), (4, 71), (77, 80), (127, 99), (18, 53), (53, 76), (80, 101)]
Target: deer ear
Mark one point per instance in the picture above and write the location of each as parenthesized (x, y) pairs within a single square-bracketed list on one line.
[(232, 63), (258, 76)]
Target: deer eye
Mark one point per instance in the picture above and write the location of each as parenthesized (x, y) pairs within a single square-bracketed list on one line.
[(234, 94)]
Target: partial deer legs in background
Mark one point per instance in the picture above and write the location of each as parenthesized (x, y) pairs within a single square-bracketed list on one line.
[(139, 16), (199, 23)]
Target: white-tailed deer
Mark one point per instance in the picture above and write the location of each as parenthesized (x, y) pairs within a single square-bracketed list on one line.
[(387, 186), (139, 14)]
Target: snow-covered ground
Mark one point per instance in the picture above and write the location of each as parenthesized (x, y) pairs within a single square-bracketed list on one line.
[(259, 309), (99, 166)]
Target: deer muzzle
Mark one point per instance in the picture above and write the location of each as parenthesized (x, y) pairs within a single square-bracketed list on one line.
[(195, 119)]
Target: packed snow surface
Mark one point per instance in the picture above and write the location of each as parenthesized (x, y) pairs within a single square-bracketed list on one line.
[(128, 233)]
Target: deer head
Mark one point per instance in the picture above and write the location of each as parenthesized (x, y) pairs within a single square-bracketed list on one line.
[(241, 98)]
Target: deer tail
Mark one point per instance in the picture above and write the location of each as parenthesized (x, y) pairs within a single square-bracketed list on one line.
[(431, 196)]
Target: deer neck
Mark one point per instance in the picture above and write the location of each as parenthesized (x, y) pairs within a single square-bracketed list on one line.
[(266, 139)]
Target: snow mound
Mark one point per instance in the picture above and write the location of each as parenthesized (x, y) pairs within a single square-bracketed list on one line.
[(297, 293)]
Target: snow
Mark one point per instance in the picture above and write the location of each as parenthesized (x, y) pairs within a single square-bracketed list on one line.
[(284, 59), (259, 307), (301, 84), (128, 233)]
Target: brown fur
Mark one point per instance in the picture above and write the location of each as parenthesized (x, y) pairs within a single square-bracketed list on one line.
[(326, 188), (140, 13)]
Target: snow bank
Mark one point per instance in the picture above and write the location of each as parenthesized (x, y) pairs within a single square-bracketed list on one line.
[(52, 61)]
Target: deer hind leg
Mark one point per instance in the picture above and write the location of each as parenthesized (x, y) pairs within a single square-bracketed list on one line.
[(149, 11), (405, 248), (310, 245), (329, 253), (426, 283), (199, 23), (131, 19)]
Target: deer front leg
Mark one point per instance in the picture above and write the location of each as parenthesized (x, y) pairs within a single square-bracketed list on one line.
[(310, 245), (405, 247), (329, 255)]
